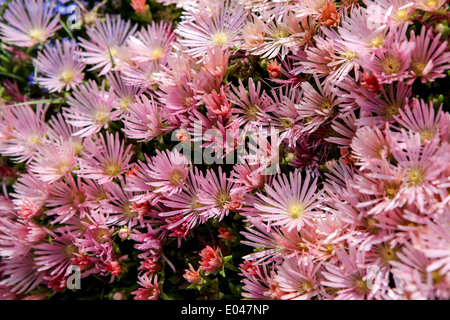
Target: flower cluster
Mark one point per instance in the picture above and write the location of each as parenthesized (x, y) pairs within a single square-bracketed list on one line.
[(225, 149)]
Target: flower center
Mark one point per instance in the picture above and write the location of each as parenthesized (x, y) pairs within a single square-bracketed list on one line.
[(280, 34), (102, 235), (67, 76), (400, 15), (125, 103), (34, 140), (157, 53), (113, 52), (432, 4), (37, 35), (416, 176), (376, 41), (361, 286), (251, 113), (223, 199), (220, 38), (391, 110), (391, 65), (296, 211), (112, 169), (176, 177), (427, 135), (101, 117), (418, 68)]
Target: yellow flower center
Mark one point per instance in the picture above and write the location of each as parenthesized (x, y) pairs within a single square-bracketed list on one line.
[(220, 38), (427, 135), (400, 15), (125, 103), (361, 286), (432, 4), (37, 35), (176, 177), (286, 123), (437, 277), (112, 169), (296, 211), (101, 117), (157, 53), (223, 199), (67, 76), (377, 41), (34, 140), (388, 254), (113, 52), (391, 65), (418, 68), (280, 34), (391, 110), (251, 113), (416, 176)]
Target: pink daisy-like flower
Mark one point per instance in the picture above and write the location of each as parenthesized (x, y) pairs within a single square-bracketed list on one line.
[(30, 194), (90, 109), (56, 257), (67, 198), (216, 195), (29, 22), (125, 94), (29, 132), (53, 160), (106, 46), (429, 59), (169, 171), (186, 203), (150, 290), (145, 120), (290, 201), (351, 277), (391, 63), (421, 117), (315, 108), (105, 159), (151, 44), (60, 66), (21, 273), (300, 276), (253, 104), (208, 28)]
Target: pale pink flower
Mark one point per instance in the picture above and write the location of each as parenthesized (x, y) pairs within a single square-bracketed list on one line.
[(90, 109), (291, 201), (29, 22), (105, 159), (208, 28), (106, 43), (59, 67)]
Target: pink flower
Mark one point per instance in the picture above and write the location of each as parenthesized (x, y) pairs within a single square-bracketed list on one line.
[(211, 26), (60, 66), (90, 109), (192, 275), (429, 59), (211, 259), (391, 63), (150, 290), (29, 22), (106, 45), (291, 201), (105, 159)]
